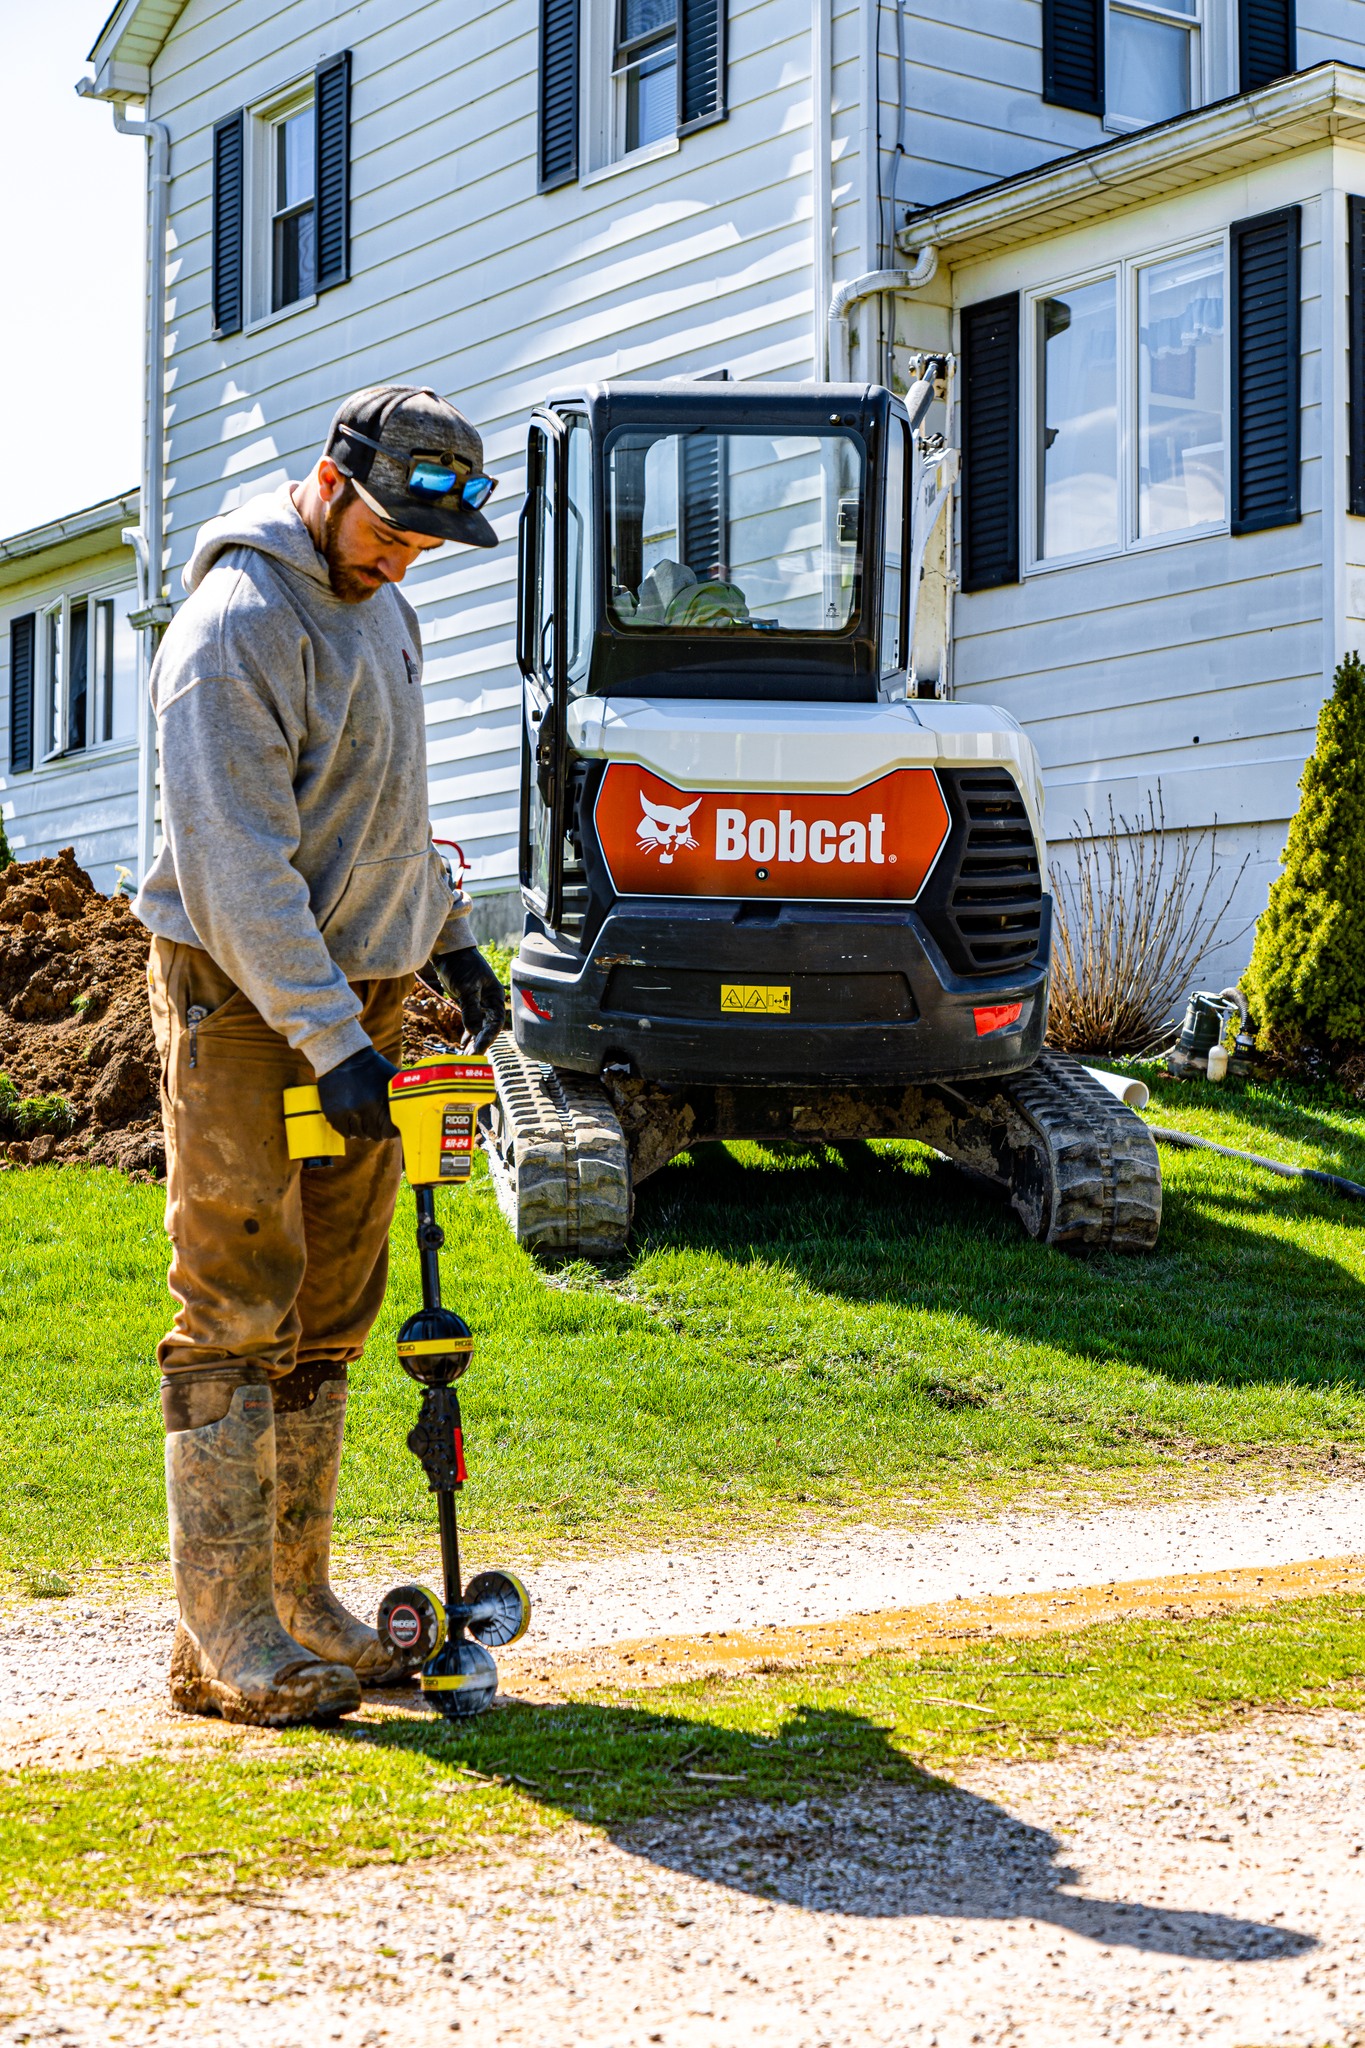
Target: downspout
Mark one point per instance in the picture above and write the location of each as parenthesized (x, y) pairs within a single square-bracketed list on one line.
[(848, 294), (148, 543), (870, 138), (821, 146)]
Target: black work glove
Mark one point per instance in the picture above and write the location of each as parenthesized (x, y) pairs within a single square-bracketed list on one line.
[(355, 1096), (467, 976)]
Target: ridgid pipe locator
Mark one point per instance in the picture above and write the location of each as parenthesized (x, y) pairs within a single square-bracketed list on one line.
[(436, 1108)]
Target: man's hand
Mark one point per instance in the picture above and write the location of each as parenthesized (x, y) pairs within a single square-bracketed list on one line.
[(467, 976), (355, 1096)]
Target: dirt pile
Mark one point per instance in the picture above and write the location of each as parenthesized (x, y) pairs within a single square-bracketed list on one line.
[(78, 1066), (75, 1033), (431, 1025)]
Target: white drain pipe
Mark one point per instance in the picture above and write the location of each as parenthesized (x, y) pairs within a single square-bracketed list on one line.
[(1127, 1087), (847, 295), (149, 546)]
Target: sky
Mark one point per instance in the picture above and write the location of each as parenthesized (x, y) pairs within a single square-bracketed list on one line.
[(71, 254)]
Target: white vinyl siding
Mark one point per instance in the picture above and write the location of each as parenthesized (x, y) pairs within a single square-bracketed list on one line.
[(465, 277), (974, 94), (1331, 28)]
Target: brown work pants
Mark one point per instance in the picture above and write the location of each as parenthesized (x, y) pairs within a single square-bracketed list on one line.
[(272, 1268)]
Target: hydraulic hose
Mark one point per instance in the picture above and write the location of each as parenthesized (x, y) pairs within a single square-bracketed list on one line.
[(1333, 1182)]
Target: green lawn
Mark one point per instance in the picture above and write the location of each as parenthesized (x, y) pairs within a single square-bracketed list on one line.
[(789, 1328), (397, 1788)]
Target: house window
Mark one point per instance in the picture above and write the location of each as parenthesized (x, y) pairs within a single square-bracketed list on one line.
[(1151, 61), (1078, 444), (281, 199), (1130, 413), (292, 153), (89, 674), (645, 72), (1181, 394), (625, 79)]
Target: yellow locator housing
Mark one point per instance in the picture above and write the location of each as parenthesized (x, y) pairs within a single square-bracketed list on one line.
[(436, 1108), (307, 1131)]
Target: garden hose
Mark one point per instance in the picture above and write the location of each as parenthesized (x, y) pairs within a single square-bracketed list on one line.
[(1333, 1182)]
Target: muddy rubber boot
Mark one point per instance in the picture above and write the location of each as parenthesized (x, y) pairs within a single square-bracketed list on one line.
[(230, 1655), (307, 1466)]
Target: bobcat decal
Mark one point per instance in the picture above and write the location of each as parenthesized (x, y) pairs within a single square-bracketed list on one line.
[(663, 829)]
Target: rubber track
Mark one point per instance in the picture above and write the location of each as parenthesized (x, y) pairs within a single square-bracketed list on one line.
[(558, 1159), (1101, 1185)]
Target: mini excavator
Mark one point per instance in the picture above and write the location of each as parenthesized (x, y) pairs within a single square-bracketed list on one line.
[(777, 884)]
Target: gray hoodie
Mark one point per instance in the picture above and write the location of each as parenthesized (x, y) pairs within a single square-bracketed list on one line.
[(294, 783)]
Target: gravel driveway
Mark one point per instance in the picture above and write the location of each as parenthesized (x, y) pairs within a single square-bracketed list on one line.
[(56, 1655), (1193, 1889), (1190, 1889)]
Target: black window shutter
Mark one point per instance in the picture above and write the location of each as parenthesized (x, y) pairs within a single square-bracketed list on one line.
[(990, 443), (702, 514), (558, 93), (332, 141), (1264, 328), (1355, 215), (701, 65), (1073, 54), (1266, 42), (229, 198), (22, 634)]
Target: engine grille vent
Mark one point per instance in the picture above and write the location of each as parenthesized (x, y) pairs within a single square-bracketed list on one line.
[(993, 900)]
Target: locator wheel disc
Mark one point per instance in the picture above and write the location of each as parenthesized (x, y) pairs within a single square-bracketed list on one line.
[(506, 1606), (412, 1621)]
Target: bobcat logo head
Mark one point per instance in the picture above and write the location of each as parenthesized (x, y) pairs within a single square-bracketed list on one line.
[(665, 829)]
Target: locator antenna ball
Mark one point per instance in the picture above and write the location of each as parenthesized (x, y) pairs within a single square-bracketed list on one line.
[(436, 1109)]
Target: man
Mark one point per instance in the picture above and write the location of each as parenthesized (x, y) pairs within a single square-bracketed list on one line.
[(297, 892)]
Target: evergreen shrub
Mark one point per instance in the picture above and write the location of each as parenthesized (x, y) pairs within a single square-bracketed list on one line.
[(1306, 981)]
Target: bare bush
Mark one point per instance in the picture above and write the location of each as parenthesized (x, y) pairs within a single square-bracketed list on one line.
[(1136, 907)]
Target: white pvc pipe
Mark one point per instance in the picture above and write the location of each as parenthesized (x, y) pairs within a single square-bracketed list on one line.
[(821, 146), (1127, 1087), (157, 136), (854, 288), (870, 135)]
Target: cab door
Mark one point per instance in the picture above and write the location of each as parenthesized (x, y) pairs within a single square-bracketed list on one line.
[(542, 658)]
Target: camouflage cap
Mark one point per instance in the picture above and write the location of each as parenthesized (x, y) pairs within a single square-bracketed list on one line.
[(376, 435)]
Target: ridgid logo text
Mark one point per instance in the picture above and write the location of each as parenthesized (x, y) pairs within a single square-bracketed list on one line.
[(789, 838)]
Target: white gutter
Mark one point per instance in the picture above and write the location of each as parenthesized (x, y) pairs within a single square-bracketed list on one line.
[(821, 150), (856, 288), (148, 543), (1321, 105)]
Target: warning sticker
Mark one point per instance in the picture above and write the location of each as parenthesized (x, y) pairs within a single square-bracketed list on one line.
[(756, 998)]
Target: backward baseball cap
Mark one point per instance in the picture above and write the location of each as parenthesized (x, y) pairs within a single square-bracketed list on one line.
[(403, 420)]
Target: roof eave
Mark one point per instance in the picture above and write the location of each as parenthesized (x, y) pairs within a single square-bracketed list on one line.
[(128, 45), (1307, 108), (70, 534)]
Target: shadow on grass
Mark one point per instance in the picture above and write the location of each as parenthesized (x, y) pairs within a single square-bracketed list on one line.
[(1215, 1303), (826, 1814)]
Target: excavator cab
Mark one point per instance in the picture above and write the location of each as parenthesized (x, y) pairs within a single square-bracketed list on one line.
[(776, 885), (698, 542)]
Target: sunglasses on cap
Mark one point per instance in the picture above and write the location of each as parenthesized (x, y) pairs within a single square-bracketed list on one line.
[(432, 478)]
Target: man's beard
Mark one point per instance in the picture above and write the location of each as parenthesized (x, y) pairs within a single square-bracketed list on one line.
[(352, 586)]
